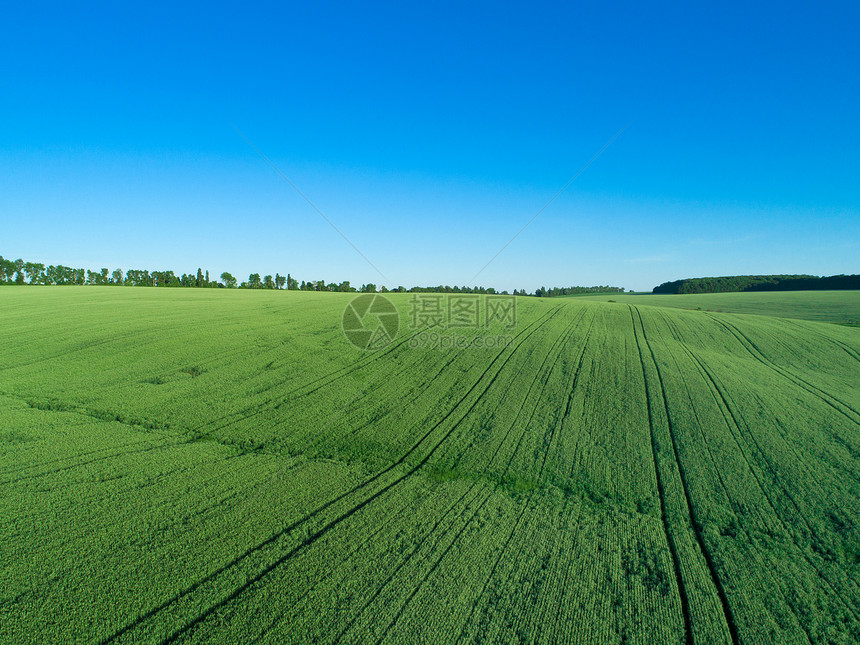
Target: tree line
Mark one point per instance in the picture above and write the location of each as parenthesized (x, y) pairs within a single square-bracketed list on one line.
[(543, 292), (19, 272), (725, 284)]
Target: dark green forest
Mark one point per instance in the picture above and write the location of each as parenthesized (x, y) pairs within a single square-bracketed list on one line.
[(725, 284)]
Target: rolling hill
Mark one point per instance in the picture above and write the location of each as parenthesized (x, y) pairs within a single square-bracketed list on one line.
[(223, 466), (841, 307)]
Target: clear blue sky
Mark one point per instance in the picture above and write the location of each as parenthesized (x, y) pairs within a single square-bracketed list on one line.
[(429, 134)]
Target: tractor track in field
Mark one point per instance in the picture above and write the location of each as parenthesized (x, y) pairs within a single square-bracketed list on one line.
[(385, 524), (277, 402), (570, 394), (560, 341), (543, 386), (339, 374), (762, 357), (569, 402), (331, 524), (402, 563), (720, 400), (661, 493), (732, 420), (728, 616), (78, 455), (848, 350), (115, 477), (707, 376), (69, 352), (46, 473), (756, 353), (394, 408), (425, 539), (706, 446), (488, 495), (141, 425), (333, 377), (721, 592), (813, 535), (432, 569), (125, 492), (345, 515)]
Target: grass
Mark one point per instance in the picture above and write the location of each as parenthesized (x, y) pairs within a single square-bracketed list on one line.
[(842, 307), (223, 466)]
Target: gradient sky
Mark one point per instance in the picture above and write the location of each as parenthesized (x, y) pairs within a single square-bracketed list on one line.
[(430, 134)]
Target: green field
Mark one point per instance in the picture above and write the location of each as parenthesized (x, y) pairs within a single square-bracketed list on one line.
[(222, 466), (841, 307)]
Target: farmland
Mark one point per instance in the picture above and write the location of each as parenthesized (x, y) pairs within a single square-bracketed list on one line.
[(223, 466), (841, 307)]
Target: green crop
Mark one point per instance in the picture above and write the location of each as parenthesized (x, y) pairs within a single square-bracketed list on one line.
[(222, 466), (841, 307)]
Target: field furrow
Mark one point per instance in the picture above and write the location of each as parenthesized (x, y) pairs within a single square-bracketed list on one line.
[(190, 467)]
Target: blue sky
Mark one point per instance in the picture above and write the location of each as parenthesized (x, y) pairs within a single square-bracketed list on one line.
[(429, 134)]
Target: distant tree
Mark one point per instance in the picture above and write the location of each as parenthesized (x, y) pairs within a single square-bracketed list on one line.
[(165, 279), (117, 276), (368, 288), (52, 275), (228, 280), (5, 267), (292, 284), (254, 281), (280, 281), (19, 271), (35, 272), (206, 280), (268, 282)]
